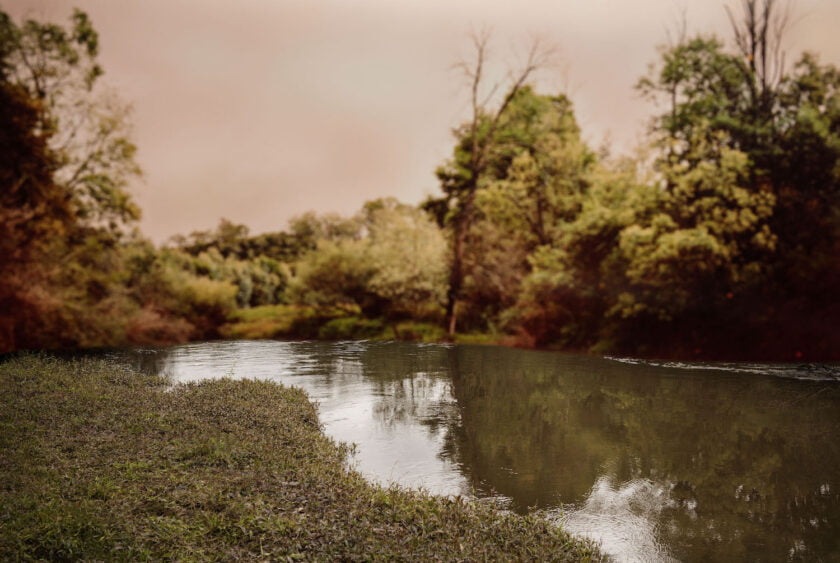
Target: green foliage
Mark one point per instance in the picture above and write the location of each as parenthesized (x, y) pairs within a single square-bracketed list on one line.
[(786, 125), (62, 197), (709, 237), (281, 321), (231, 240), (704, 87), (90, 131), (778, 231), (732, 241), (530, 123), (535, 173), (338, 274), (565, 295), (731, 234), (395, 268), (408, 255)]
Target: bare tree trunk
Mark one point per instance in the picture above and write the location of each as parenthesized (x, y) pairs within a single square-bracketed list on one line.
[(456, 276)]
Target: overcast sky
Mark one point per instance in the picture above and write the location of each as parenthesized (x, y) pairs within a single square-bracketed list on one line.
[(259, 110)]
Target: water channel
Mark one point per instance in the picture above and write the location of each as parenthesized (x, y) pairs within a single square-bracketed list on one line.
[(656, 461)]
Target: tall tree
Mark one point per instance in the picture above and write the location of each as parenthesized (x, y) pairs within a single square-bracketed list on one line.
[(32, 208), (65, 160), (786, 123), (481, 155), (540, 190)]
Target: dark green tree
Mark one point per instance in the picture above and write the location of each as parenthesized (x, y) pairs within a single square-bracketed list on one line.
[(787, 125)]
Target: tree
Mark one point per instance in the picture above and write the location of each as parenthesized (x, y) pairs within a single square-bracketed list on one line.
[(708, 87), (541, 185), (708, 239), (481, 155), (394, 267), (785, 122), (408, 254), (32, 207), (65, 161), (89, 129), (539, 191), (724, 106)]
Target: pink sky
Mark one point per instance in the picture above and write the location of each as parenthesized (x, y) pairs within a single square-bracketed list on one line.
[(259, 110)]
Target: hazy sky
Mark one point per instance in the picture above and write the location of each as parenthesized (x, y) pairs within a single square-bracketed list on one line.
[(259, 110)]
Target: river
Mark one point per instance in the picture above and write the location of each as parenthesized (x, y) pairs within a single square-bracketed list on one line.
[(655, 461)]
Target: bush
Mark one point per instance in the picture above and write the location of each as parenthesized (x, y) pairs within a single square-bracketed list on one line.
[(153, 328)]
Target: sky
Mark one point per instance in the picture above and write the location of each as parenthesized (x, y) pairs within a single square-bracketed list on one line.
[(261, 110)]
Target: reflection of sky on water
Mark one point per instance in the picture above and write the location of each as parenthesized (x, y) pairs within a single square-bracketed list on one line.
[(654, 462), (391, 446), (621, 519)]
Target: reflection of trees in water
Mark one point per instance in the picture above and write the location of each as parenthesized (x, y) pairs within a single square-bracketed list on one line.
[(412, 385), (748, 465)]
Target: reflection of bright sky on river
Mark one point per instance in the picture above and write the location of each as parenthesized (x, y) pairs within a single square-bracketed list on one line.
[(621, 519), (391, 447)]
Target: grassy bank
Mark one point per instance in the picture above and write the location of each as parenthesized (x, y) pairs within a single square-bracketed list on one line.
[(324, 323), (101, 463)]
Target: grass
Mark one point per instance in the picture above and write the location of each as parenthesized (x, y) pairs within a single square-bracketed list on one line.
[(323, 323), (100, 463), (478, 338), (270, 321)]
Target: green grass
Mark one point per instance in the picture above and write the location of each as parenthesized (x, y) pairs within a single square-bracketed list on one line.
[(97, 462), (478, 338), (352, 327), (276, 321), (423, 332)]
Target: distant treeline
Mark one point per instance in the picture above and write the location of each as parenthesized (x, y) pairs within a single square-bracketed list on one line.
[(720, 239)]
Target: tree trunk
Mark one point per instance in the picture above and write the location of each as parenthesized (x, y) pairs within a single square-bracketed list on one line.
[(456, 272)]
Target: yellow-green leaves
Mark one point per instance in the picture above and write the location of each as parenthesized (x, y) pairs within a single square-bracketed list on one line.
[(395, 263)]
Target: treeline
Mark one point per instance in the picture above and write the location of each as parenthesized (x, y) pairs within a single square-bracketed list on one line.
[(720, 240), (725, 247)]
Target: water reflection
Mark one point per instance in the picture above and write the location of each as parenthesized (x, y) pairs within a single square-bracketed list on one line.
[(693, 462), (714, 465), (623, 518)]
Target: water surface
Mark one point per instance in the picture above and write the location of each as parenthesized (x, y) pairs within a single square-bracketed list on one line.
[(656, 461)]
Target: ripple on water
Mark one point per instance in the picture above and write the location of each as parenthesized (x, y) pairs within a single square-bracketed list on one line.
[(810, 372)]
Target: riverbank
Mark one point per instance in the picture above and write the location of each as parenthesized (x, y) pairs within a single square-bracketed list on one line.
[(681, 343), (102, 463)]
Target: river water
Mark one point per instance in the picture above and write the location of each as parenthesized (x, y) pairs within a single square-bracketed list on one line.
[(656, 461)]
